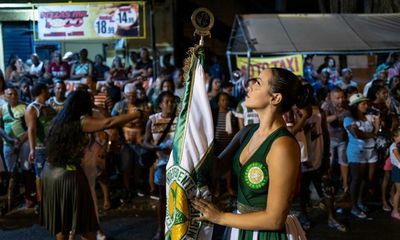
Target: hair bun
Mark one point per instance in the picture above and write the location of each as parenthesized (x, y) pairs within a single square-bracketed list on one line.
[(304, 95)]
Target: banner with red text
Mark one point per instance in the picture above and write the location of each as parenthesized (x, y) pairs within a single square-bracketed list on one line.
[(293, 63), (74, 21)]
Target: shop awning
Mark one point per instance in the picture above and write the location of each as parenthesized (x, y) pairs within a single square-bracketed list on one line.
[(272, 34)]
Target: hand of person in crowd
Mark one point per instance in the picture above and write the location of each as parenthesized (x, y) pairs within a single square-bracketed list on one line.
[(32, 156), (135, 121), (165, 148), (108, 104), (208, 211), (305, 112), (341, 116), (17, 143)]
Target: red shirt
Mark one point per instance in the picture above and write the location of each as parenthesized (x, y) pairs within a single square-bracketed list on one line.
[(59, 70)]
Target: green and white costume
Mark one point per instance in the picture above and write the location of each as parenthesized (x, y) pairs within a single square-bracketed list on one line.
[(253, 182)]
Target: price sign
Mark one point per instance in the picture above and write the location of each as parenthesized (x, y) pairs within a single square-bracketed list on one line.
[(125, 16), (91, 20), (105, 26)]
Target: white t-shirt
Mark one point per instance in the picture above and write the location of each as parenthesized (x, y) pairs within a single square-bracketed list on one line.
[(249, 116), (36, 70), (393, 158), (367, 127)]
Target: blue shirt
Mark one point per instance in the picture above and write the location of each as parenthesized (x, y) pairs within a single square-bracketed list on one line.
[(355, 147), (307, 73)]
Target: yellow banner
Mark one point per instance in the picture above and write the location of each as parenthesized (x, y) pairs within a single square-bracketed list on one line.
[(91, 21), (293, 63)]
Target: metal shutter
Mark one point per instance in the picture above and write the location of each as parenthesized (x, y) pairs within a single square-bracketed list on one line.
[(17, 39)]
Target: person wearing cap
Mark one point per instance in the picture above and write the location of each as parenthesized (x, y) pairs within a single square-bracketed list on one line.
[(361, 130), (132, 136), (69, 58), (346, 80)]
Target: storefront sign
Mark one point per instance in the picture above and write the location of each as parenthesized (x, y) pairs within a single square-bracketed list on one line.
[(91, 21), (293, 63)]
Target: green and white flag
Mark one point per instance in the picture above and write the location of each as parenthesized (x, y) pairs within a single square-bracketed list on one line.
[(192, 149)]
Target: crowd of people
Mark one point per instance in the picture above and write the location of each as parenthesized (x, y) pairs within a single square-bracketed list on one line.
[(347, 128)]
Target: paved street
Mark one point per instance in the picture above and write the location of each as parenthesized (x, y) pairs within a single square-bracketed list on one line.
[(138, 221)]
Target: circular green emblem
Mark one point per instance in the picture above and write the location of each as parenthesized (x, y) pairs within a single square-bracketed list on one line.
[(255, 175)]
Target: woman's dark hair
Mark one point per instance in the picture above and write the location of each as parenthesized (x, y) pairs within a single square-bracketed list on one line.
[(12, 59), (373, 91), (170, 81), (219, 95), (100, 56), (329, 58), (65, 137), (307, 58), (291, 89), (134, 56), (392, 80), (396, 132), (12, 63), (211, 83), (163, 95)]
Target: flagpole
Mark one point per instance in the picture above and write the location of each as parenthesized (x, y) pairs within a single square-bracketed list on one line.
[(201, 42), (188, 167)]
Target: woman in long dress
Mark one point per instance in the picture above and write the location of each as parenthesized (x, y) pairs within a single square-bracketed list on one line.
[(67, 207)]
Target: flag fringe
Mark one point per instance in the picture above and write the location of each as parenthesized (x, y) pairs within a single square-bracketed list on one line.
[(191, 54)]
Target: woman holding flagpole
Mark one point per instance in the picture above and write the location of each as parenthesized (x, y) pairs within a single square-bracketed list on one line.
[(266, 160)]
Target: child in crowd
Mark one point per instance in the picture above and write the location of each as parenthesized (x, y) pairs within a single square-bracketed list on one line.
[(226, 126), (160, 130)]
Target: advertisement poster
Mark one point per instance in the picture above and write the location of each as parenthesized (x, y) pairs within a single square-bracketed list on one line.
[(91, 21), (293, 63)]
